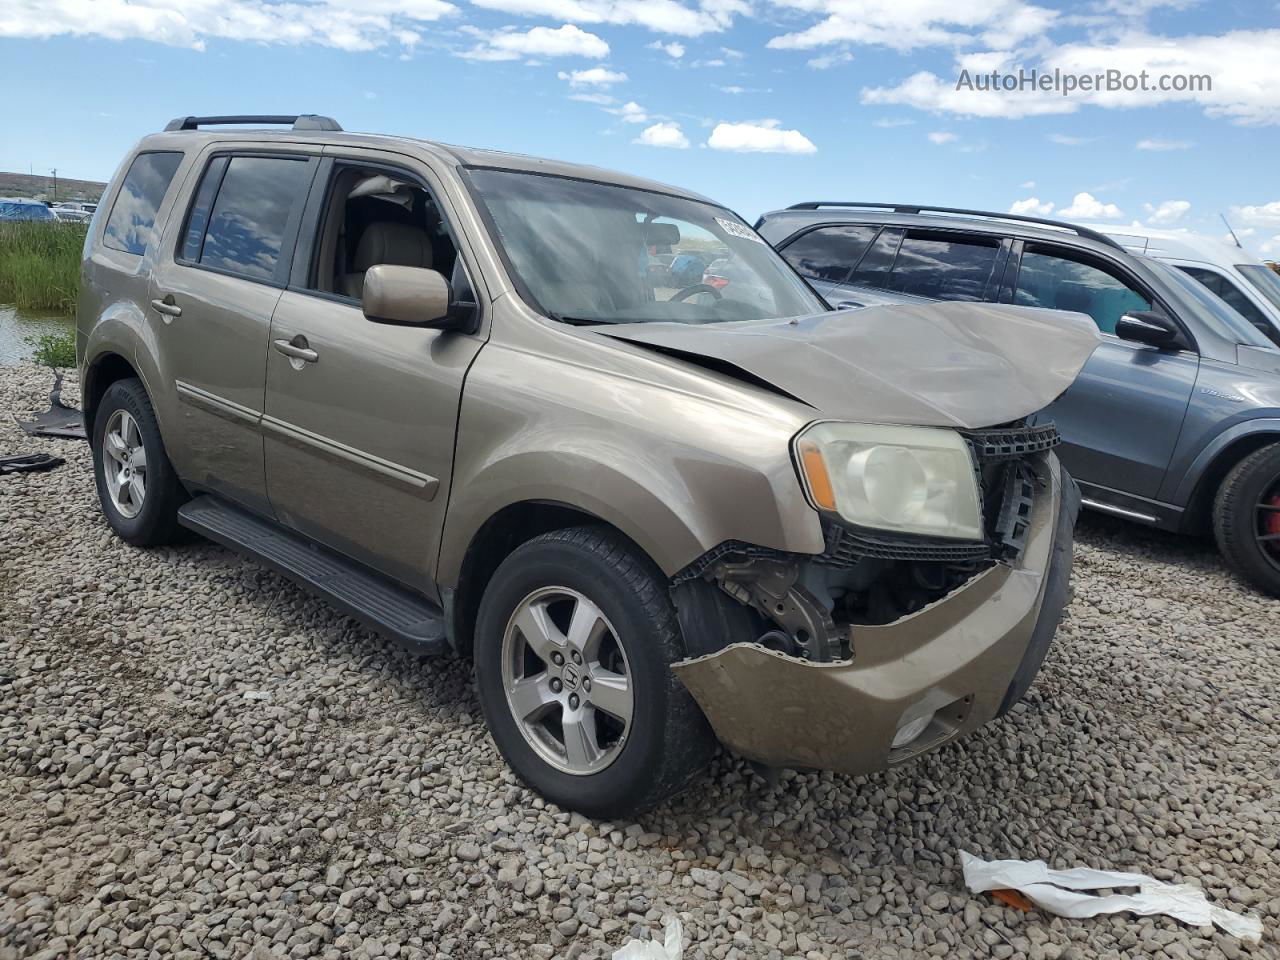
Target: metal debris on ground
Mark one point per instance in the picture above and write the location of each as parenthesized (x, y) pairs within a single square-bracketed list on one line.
[(29, 463), (1057, 891), (59, 420)]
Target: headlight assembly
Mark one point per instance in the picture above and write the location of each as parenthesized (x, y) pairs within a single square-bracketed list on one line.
[(905, 479)]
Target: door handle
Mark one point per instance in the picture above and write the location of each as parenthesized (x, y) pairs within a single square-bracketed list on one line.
[(167, 307), (296, 349)]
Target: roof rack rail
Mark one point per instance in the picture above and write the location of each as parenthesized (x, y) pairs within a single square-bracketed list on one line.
[(913, 208), (301, 121)]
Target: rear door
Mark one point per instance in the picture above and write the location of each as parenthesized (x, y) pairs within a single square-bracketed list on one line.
[(1121, 418), (213, 290)]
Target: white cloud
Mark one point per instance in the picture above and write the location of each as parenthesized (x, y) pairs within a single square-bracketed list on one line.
[(1242, 67), (663, 135), (1084, 206), (1032, 207), (1263, 215), (344, 24), (829, 60), (1170, 211), (910, 24), (888, 123), (1069, 141), (565, 41), (660, 16), (714, 62), (1163, 145), (942, 136), (602, 99), (735, 91), (632, 112), (1028, 185), (673, 49), (761, 136), (594, 77)]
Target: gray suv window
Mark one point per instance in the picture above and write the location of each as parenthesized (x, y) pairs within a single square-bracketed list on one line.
[(1049, 280), (829, 253), (134, 212), (1229, 292), (944, 266), (248, 220)]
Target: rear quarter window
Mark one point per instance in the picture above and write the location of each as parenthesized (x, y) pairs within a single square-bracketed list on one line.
[(133, 215)]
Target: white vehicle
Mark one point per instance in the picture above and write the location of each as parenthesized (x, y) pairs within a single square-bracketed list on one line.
[(1248, 285)]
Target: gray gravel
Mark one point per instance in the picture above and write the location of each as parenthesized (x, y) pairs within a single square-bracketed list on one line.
[(197, 759)]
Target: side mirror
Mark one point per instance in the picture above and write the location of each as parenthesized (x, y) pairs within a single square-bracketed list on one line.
[(1147, 326), (411, 297)]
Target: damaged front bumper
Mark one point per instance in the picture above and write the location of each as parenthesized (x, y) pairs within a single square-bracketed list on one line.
[(910, 685)]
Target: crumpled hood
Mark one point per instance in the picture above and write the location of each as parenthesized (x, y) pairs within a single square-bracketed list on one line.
[(954, 364)]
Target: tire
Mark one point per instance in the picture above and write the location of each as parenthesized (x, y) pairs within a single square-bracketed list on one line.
[(1236, 518), (666, 740), (155, 521)]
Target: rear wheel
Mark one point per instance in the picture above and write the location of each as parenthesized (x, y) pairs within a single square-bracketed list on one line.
[(139, 491), (1246, 518), (573, 649)]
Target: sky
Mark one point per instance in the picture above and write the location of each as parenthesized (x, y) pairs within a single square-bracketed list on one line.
[(755, 103)]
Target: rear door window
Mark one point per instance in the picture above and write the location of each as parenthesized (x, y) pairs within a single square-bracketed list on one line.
[(252, 218), (133, 215), (1235, 297), (1050, 280), (829, 253), (944, 265)]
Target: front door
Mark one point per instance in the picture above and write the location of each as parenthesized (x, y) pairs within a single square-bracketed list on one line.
[(360, 416), (213, 291), (1121, 418)]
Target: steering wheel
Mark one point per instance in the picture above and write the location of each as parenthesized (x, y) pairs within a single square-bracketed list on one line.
[(693, 289)]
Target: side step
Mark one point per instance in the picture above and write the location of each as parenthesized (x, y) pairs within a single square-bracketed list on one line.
[(373, 599)]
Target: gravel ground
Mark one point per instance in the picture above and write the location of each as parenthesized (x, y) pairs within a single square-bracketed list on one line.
[(198, 759)]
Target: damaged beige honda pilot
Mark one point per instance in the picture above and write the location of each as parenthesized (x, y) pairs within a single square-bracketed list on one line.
[(588, 431)]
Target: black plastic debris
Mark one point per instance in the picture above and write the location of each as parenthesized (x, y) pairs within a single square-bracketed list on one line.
[(29, 463), (59, 420)]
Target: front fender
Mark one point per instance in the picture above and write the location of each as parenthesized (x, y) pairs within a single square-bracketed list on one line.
[(677, 473), (1188, 479)]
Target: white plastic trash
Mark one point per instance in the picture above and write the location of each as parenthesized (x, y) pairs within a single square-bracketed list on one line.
[(671, 948), (1056, 892)]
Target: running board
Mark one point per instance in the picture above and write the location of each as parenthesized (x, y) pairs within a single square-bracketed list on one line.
[(372, 599)]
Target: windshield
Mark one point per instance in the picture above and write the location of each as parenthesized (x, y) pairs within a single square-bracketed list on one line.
[(585, 252), (1214, 311), (1264, 278)]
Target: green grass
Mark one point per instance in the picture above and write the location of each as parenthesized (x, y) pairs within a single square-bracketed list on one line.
[(55, 349), (40, 265)]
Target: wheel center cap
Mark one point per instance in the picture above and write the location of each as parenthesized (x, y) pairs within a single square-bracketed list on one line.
[(571, 676)]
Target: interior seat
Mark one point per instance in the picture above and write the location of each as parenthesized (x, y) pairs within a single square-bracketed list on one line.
[(400, 244)]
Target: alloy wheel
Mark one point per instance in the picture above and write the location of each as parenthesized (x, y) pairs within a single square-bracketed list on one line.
[(124, 464), (567, 681)]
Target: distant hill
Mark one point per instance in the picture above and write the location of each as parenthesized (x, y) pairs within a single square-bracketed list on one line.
[(25, 185)]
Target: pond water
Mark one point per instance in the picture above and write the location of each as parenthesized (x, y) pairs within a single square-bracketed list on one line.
[(17, 327)]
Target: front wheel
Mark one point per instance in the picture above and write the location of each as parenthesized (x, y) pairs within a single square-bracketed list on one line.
[(1246, 518), (573, 648)]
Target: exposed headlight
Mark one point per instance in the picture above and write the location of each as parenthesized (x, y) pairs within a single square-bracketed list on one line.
[(907, 479)]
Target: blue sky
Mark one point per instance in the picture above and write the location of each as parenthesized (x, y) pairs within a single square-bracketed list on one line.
[(757, 103)]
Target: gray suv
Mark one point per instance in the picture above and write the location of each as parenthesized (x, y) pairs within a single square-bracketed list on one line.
[(1175, 420), (445, 389)]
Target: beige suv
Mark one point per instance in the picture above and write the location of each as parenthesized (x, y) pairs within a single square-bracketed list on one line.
[(489, 405)]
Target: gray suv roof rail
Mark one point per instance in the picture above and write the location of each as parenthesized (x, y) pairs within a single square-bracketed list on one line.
[(911, 208), (301, 121)]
